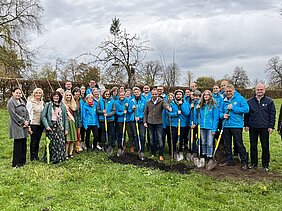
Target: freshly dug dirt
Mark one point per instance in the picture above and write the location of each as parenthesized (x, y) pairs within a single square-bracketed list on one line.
[(221, 173)]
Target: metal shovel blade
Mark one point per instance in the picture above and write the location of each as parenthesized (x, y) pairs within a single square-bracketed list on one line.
[(189, 156), (109, 150), (180, 156), (141, 156), (211, 164), (199, 162)]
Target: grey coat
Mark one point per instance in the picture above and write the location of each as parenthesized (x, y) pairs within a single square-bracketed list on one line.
[(18, 115), (153, 112)]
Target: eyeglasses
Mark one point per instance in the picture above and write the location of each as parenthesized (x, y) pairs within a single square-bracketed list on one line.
[(228, 91)]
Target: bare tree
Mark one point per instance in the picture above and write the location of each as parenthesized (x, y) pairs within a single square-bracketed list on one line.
[(17, 19), (189, 77), (114, 75), (124, 51), (151, 72), (274, 71), (171, 75), (240, 78)]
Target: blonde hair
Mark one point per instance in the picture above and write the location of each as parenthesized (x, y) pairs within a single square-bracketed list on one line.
[(32, 97), (72, 105)]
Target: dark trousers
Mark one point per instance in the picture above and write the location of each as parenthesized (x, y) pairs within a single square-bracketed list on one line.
[(186, 136), (177, 140), (120, 134), (142, 132), (34, 141), (263, 135), (110, 127), (167, 136), (94, 130), (193, 146), (236, 133), (131, 132), (156, 142), (82, 134), (19, 153)]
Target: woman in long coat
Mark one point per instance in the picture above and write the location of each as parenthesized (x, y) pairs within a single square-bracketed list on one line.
[(18, 127), (54, 119)]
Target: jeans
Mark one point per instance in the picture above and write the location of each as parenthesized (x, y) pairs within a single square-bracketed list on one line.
[(236, 133), (156, 142), (263, 134), (207, 142)]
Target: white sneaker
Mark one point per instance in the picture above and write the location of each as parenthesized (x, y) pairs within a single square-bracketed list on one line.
[(99, 147)]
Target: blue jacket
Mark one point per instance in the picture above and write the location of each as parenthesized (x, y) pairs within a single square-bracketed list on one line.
[(236, 115), (209, 117), (218, 98), (110, 109), (120, 107), (82, 103), (149, 97), (262, 113), (140, 107), (193, 113), (90, 116), (185, 110)]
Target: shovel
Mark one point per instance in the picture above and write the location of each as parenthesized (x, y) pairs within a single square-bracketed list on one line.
[(140, 154), (199, 162), (213, 163), (190, 156), (121, 151), (47, 142), (179, 155)]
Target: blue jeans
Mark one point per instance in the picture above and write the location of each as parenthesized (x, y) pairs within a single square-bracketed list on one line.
[(141, 136), (156, 142), (207, 142)]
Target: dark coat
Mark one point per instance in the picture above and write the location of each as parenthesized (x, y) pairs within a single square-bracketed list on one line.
[(261, 114), (153, 112), (18, 115)]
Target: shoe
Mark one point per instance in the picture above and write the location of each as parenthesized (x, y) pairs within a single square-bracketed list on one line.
[(99, 147), (265, 169), (131, 149), (71, 156), (253, 166), (152, 156), (161, 158), (67, 157), (244, 167)]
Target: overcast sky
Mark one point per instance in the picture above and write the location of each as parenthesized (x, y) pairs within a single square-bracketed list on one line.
[(210, 37)]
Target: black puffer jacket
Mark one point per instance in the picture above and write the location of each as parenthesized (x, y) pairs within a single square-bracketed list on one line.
[(261, 114)]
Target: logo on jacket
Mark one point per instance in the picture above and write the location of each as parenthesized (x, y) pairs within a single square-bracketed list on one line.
[(235, 103)]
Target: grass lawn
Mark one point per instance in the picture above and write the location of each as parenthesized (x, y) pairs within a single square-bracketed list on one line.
[(91, 181)]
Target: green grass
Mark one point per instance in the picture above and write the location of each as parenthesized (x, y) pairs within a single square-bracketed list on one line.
[(92, 182)]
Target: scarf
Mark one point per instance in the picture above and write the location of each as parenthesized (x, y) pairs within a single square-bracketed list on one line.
[(91, 103)]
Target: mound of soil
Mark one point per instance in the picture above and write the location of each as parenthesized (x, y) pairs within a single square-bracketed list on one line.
[(132, 159), (221, 173)]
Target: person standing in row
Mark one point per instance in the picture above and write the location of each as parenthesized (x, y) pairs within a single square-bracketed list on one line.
[(73, 121), (259, 122), (233, 108), (153, 120), (35, 106), (55, 120), (18, 127)]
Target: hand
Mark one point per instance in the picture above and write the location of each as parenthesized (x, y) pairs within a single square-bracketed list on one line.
[(25, 124), (104, 111), (125, 112), (145, 125), (105, 115), (193, 126), (126, 104), (66, 133), (213, 133), (179, 112), (229, 107), (198, 106), (247, 129), (133, 107), (137, 118), (180, 102), (49, 129), (30, 131), (69, 119), (169, 109), (270, 130), (226, 116), (192, 105)]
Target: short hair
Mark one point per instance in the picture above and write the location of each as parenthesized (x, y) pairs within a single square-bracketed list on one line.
[(56, 93), (230, 86), (136, 88), (75, 89), (16, 88)]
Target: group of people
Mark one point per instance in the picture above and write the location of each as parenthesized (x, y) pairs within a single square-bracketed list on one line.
[(119, 118)]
